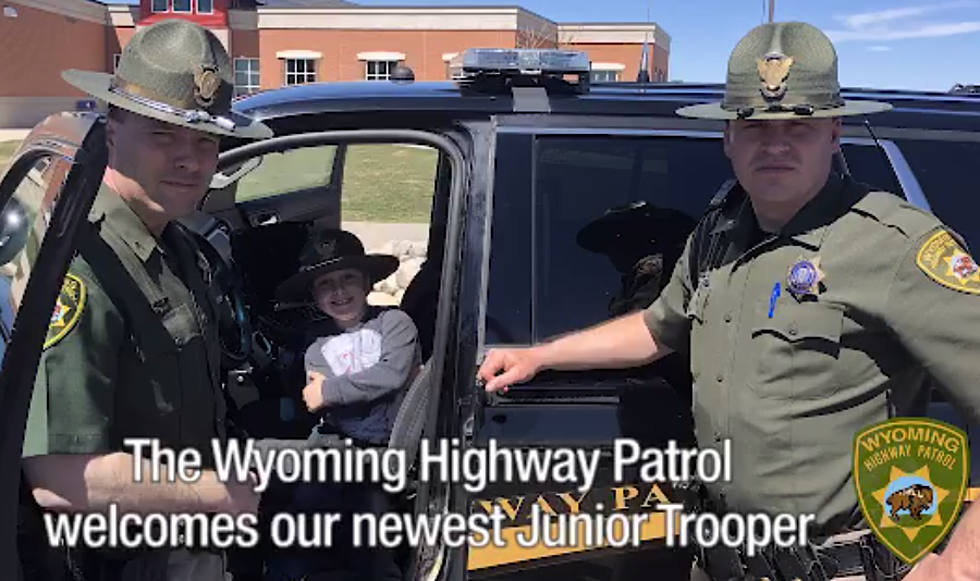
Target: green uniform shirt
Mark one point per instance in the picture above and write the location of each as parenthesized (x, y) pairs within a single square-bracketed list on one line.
[(132, 349), (897, 308)]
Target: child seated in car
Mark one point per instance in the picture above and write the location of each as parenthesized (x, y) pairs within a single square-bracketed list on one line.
[(360, 364), (357, 371)]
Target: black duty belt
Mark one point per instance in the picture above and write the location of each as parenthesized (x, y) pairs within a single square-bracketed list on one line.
[(850, 554), (863, 555)]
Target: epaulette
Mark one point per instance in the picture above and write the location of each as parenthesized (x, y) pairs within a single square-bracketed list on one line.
[(895, 212)]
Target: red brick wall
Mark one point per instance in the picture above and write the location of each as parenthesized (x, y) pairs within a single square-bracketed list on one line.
[(38, 45), (423, 50)]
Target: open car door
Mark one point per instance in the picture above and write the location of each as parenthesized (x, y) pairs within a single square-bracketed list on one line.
[(45, 194), (430, 409)]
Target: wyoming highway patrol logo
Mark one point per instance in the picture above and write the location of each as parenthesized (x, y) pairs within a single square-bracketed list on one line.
[(67, 309), (911, 478), (943, 259)]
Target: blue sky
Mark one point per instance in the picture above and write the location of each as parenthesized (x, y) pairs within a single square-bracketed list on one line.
[(914, 44)]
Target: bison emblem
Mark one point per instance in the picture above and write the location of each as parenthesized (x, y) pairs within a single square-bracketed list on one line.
[(916, 499)]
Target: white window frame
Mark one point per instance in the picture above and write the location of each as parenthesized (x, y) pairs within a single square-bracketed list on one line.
[(252, 68), (304, 77), (615, 70), (388, 59), (382, 70)]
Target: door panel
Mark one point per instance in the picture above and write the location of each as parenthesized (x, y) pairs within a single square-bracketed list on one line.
[(66, 153)]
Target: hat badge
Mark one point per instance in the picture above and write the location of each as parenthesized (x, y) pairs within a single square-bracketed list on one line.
[(773, 72), (326, 248), (206, 84)]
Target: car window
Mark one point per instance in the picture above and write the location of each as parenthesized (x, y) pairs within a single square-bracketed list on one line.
[(388, 182), (23, 224), (869, 164), (948, 172), (291, 171), (576, 180)]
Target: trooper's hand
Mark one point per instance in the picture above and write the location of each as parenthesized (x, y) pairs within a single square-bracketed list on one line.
[(512, 365), (242, 497)]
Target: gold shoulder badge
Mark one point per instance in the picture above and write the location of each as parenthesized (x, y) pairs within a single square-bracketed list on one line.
[(943, 259), (911, 479), (773, 72), (67, 309)]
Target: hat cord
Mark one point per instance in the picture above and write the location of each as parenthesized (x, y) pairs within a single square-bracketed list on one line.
[(189, 116)]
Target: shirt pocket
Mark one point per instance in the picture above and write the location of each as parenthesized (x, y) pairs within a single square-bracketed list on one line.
[(797, 351)]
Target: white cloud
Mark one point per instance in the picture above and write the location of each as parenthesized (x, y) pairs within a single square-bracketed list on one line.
[(900, 23), (879, 48)]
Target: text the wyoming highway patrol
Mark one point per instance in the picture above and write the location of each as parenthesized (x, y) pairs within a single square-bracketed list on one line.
[(475, 467)]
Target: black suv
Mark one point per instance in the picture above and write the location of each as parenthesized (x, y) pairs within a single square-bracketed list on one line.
[(522, 161)]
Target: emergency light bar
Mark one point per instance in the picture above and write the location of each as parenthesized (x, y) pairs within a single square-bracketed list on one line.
[(525, 60)]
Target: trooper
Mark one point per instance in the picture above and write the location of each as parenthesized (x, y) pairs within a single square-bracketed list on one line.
[(811, 307), (132, 350)]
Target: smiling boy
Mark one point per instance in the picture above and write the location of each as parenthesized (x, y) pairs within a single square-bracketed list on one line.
[(357, 371)]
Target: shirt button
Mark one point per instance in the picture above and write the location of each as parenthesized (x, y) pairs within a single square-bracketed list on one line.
[(717, 437), (719, 378), (728, 318), (793, 329)]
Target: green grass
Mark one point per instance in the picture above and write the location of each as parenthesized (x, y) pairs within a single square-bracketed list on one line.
[(382, 183), (7, 149)]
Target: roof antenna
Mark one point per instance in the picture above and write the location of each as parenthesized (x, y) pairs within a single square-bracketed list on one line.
[(643, 76), (772, 9)]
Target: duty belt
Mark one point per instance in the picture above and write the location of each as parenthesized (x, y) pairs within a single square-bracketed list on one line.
[(849, 554)]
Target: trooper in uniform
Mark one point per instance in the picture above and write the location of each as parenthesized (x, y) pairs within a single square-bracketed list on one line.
[(811, 307), (132, 348)]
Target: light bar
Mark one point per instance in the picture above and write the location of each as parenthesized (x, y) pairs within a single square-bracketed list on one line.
[(525, 60)]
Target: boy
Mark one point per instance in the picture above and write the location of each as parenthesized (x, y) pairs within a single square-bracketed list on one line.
[(357, 371)]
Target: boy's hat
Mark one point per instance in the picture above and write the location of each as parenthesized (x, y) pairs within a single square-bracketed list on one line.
[(330, 250), (783, 70), (177, 72)]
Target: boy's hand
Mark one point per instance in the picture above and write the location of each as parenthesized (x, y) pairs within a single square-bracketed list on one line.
[(313, 392)]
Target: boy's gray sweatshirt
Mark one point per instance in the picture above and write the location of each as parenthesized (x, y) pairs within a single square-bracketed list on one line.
[(367, 370)]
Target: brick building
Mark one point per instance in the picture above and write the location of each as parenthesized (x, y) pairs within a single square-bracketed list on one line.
[(283, 42)]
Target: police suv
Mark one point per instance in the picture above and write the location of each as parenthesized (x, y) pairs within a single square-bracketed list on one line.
[(550, 203)]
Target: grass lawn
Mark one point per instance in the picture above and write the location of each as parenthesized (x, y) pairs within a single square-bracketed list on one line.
[(382, 183), (7, 149)]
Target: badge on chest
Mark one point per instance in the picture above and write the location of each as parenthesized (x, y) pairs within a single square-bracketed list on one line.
[(805, 278)]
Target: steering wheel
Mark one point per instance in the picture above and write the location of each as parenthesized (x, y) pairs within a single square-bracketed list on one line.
[(235, 325)]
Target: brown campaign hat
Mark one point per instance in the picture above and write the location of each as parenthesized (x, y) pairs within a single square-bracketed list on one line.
[(330, 250), (174, 71), (783, 70)]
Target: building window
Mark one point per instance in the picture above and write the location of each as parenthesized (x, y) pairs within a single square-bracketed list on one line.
[(160, 5), (604, 76), (246, 76), (181, 5), (300, 71), (379, 70), (115, 61), (205, 6)]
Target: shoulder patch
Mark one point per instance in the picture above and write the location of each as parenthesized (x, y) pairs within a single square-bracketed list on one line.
[(943, 259), (67, 309)]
